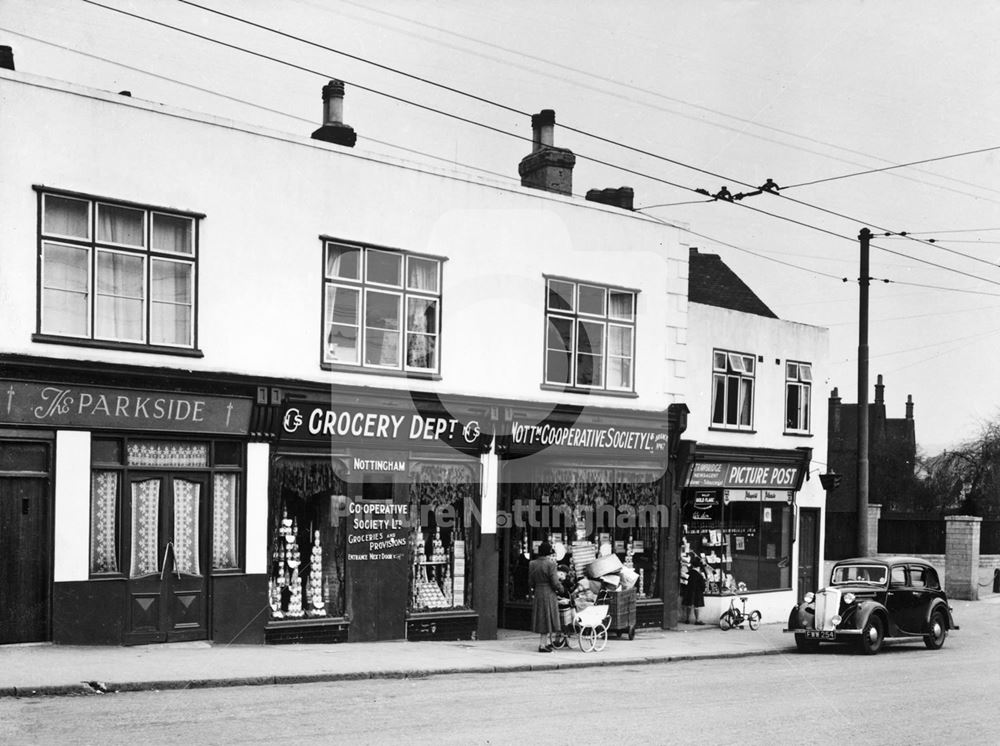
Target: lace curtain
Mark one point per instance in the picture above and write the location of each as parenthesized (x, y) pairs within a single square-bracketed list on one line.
[(145, 527), (187, 501), (103, 520), (171, 300), (120, 296), (120, 225), (66, 292), (224, 517)]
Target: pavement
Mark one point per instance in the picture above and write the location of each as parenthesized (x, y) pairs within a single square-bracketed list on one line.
[(44, 669)]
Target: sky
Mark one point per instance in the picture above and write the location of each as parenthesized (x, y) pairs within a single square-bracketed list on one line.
[(883, 115)]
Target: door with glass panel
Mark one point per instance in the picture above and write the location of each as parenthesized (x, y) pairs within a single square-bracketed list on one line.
[(167, 560)]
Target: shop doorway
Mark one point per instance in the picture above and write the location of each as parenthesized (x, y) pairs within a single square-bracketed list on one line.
[(808, 550), (167, 586), (25, 572)]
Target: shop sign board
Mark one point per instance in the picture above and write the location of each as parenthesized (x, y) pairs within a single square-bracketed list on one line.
[(578, 436), (377, 531), (753, 476), (66, 405), (378, 537), (738, 496)]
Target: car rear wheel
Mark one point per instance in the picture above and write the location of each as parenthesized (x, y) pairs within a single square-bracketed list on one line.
[(806, 645), (872, 635), (937, 631)]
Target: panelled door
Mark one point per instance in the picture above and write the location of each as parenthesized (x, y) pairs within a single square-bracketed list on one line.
[(167, 574)]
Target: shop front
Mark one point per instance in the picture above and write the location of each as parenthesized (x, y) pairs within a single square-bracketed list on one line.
[(738, 510), (590, 483), (142, 494), (374, 507)]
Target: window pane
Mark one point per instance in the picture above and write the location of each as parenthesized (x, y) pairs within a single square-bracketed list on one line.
[(621, 305), (172, 233), (748, 363), (592, 300), (719, 400), (421, 338), (559, 348), (224, 522), (557, 367), (590, 354), (145, 527), (619, 373), (382, 329), (382, 311), (804, 419), (64, 216), (120, 225), (119, 311), (167, 453), (560, 295), (343, 318), (422, 274), (620, 340), (746, 401), (65, 291), (590, 337), (719, 361), (791, 372), (383, 267), (560, 336), (736, 363), (589, 370), (104, 522), (187, 532), (805, 371), (732, 399), (382, 348), (343, 261), (105, 451), (172, 303), (792, 407)]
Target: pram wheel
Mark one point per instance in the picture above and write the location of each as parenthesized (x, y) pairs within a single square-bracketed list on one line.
[(559, 640), (593, 639)]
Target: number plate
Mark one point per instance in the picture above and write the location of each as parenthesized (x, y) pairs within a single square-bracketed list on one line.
[(817, 634)]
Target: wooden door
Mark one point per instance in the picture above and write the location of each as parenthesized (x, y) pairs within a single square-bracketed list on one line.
[(808, 550), (167, 561), (25, 569)]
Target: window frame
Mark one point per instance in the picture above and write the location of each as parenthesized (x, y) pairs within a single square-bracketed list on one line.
[(363, 286), (801, 379), (94, 248), (730, 368), (577, 318)]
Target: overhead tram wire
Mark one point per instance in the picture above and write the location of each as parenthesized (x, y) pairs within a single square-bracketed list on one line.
[(569, 128), (498, 130)]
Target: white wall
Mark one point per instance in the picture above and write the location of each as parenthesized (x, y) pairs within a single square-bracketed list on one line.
[(72, 506), (268, 197)]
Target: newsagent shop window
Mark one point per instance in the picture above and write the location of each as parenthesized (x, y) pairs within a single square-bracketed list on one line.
[(748, 543), (798, 396), (733, 389), (148, 494), (590, 335), (586, 512), (116, 273), (381, 308)]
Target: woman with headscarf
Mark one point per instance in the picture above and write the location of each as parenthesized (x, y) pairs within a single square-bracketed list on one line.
[(543, 579)]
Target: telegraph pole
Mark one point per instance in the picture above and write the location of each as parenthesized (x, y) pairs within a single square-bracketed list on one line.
[(863, 282)]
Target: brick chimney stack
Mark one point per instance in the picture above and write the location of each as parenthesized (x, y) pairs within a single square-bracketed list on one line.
[(334, 130), (879, 390), (909, 406), (547, 167), (6, 58)]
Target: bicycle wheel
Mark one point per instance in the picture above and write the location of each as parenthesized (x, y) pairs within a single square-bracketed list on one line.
[(726, 620), (754, 619)]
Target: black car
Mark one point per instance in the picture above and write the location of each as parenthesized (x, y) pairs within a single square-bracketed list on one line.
[(871, 600)]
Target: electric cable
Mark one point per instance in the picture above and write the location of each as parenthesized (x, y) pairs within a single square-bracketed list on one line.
[(498, 130)]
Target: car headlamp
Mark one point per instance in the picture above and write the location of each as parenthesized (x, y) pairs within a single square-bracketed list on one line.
[(836, 619), (809, 597), (849, 598)]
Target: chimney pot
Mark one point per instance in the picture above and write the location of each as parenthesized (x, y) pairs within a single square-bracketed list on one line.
[(909, 406), (334, 130), (6, 57), (623, 197)]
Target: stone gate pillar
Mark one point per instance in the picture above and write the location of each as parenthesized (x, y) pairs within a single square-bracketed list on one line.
[(874, 514), (961, 558)]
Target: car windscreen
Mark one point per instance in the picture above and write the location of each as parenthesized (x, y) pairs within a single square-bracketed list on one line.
[(855, 574)]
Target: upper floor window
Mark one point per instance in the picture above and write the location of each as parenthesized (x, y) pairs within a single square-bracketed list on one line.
[(733, 376), (590, 336), (116, 273), (798, 395), (381, 308)]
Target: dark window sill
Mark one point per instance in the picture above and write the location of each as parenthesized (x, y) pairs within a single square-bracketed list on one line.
[(721, 429), (418, 375), (796, 434), (593, 392), (310, 621), (103, 345)]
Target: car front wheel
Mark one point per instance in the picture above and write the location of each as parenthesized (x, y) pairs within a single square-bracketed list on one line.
[(805, 645), (936, 632), (872, 635)]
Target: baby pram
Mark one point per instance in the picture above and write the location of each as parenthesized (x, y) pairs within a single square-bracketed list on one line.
[(589, 625)]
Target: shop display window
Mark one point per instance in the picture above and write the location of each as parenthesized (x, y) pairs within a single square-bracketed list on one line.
[(743, 546), (104, 522), (308, 538), (441, 568), (584, 512)]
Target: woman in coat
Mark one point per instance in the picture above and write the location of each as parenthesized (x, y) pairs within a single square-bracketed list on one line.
[(543, 579)]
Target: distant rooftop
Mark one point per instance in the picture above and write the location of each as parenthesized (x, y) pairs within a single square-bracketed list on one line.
[(712, 283)]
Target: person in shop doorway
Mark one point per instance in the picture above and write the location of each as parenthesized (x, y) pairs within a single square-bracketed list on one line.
[(543, 579), (694, 591)]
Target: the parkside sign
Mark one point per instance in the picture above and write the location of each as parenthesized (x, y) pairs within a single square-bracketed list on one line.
[(752, 476), (56, 405)]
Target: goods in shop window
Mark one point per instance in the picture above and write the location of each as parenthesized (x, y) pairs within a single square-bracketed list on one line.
[(315, 591), (642, 584)]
